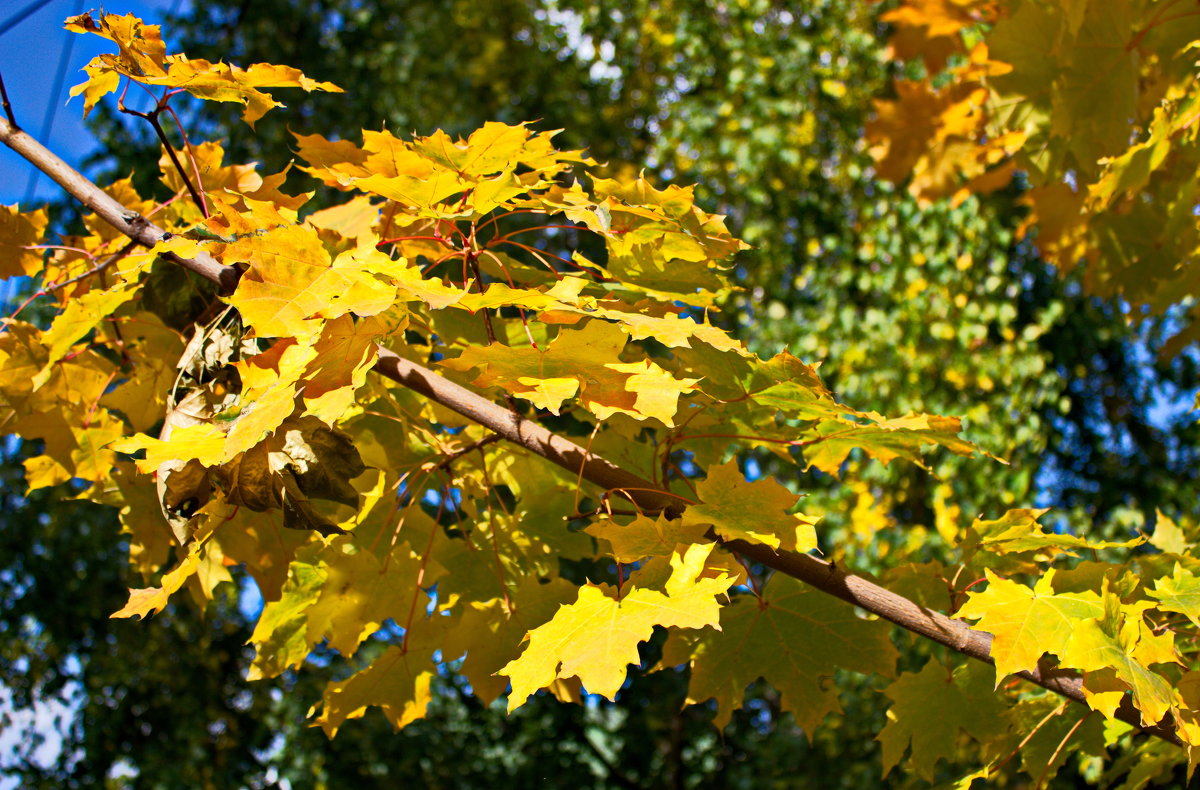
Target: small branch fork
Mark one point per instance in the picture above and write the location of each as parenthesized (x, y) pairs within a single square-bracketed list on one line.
[(151, 117), (645, 495), (8, 110)]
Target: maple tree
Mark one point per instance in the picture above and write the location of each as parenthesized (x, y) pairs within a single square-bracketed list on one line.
[(617, 353)]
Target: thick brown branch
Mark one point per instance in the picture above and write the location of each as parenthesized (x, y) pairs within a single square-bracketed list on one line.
[(825, 576), (648, 496), (128, 222)]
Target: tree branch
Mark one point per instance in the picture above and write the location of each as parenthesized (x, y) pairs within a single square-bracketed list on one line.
[(648, 496), (132, 224)]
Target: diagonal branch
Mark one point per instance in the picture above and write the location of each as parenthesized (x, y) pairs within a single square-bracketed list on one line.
[(648, 496), (132, 224)]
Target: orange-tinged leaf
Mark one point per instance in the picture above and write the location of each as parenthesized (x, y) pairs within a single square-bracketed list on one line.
[(349, 220), (19, 231), (142, 56), (657, 391), (291, 281), (595, 638), (141, 53), (932, 29), (345, 352), (753, 511), (141, 45)]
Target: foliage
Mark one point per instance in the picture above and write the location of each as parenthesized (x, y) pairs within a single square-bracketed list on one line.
[(304, 283)]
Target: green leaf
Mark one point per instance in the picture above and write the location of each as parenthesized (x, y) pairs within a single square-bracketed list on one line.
[(1179, 592), (930, 708), (753, 511), (795, 638)]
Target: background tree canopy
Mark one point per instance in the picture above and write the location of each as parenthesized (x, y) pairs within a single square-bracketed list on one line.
[(908, 304)]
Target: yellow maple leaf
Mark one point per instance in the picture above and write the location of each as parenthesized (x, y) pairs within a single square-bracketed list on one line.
[(359, 592), (147, 601), (142, 56), (595, 638), (204, 443), (1027, 623), (81, 315), (292, 282), (585, 360), (280, 636), (1122, 642), (491, 634)]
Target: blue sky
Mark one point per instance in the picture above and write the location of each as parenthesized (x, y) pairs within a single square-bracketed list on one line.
[(30, 53)]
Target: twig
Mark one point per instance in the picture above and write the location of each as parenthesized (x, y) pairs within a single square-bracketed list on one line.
[(187, 144), (1028, 737), (152, 117), (8, 110), (97, 269), (1041, 782), (491, 438), (487, 482)]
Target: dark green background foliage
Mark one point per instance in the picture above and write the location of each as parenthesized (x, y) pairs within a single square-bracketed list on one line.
[(934, 308)]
